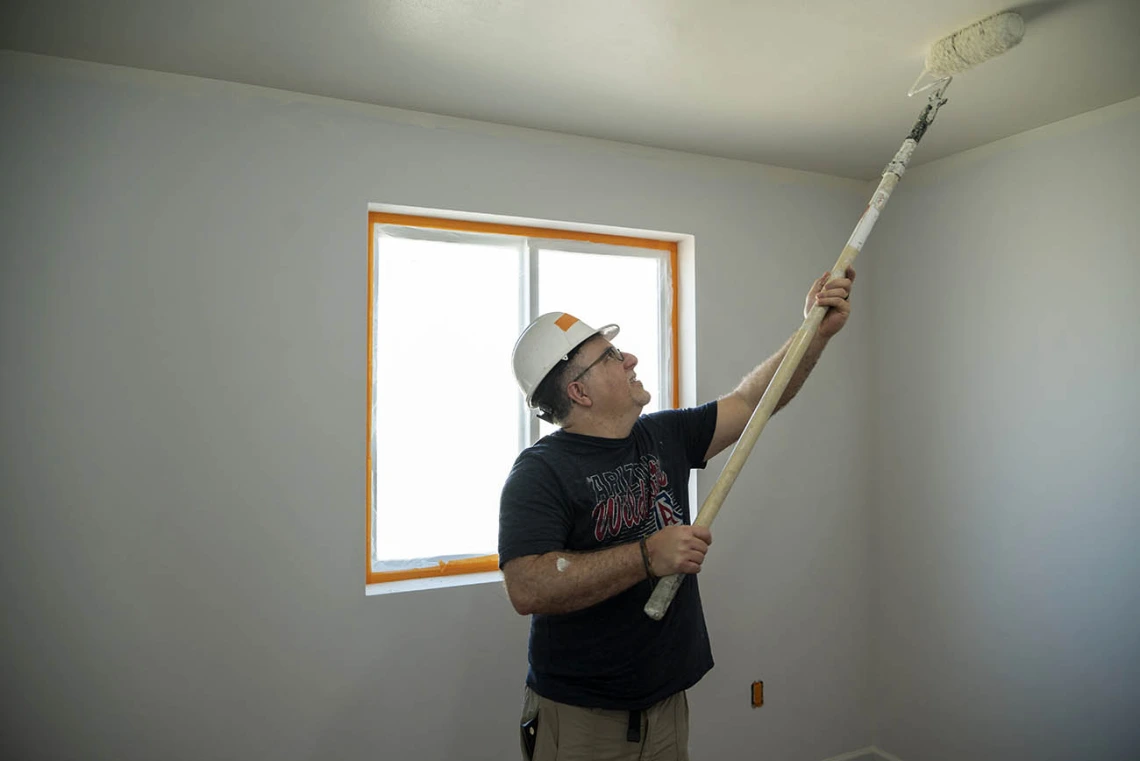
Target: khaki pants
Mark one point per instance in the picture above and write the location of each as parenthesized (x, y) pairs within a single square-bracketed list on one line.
[(570, 733)]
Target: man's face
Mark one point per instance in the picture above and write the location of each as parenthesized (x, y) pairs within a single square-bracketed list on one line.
[(610, 377)]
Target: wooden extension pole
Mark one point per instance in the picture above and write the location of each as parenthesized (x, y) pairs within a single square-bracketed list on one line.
[(667, 587)]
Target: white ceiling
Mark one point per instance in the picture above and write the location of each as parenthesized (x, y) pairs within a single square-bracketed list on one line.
[(810, 84)]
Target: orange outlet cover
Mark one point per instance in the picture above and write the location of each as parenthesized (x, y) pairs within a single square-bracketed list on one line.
[(757, 694)]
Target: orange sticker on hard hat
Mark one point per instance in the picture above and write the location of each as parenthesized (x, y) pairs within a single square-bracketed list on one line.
[(566, 321)]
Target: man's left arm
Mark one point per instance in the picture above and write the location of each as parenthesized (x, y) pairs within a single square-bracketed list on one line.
[(734, 409)]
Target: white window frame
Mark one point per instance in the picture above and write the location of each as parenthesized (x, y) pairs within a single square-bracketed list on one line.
[(531, 240)]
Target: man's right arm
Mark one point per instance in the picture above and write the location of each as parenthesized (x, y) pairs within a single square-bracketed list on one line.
[(564, 582)]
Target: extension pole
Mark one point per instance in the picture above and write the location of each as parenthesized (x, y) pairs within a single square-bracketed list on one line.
[(666, 588)]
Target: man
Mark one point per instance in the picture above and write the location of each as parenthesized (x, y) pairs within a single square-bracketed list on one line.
[(593, 514)]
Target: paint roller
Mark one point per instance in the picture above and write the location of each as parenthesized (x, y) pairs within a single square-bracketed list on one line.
[(970, 46), (951, 55)]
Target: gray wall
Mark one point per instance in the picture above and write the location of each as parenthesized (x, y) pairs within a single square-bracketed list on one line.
[(182, 394), (1006, 334)]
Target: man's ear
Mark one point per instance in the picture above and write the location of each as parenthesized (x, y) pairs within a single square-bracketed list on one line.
[(577, 393)]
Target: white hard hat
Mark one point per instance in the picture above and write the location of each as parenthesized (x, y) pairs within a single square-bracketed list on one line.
[(546, 342)]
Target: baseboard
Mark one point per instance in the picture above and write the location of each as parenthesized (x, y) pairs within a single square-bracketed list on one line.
[(863, 754), (882, 754), (870, 753)]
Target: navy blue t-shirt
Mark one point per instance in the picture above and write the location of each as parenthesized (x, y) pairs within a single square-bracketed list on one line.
[(581, 493)]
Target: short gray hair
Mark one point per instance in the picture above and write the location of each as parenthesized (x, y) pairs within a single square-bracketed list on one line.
[(550, 397)]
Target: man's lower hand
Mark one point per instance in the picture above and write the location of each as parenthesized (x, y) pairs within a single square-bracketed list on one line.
[(678, 549)]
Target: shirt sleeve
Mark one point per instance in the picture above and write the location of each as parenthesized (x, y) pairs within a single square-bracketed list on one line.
[(534, 512), (694, 427)]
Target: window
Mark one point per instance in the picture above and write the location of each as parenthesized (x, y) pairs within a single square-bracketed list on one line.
[(446, 301)]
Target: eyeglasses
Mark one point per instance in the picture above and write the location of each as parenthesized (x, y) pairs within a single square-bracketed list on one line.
[(610, 353)]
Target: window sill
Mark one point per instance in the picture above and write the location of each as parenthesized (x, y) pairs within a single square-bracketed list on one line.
[(433, 582)]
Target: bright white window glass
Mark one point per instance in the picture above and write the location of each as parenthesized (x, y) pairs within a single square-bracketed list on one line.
[(446, 425), (600, 289)]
